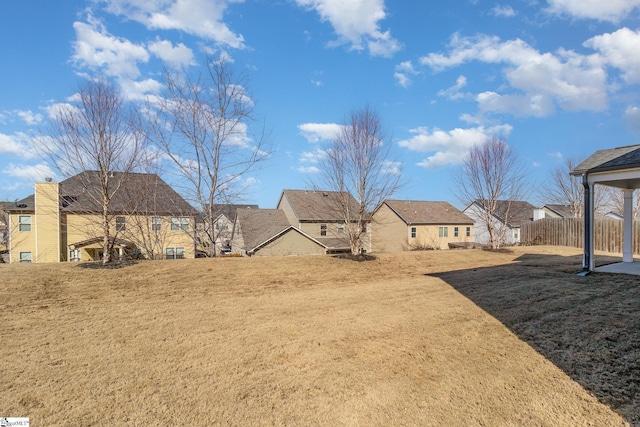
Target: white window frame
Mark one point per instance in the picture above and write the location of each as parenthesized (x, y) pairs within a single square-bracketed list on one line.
[(121, 223), (456, 231), (156, 223), (176, 253), (414, 232), (179, 223), (468, 231), (26, 257), (323, 229), (443, 231), (22, 223)]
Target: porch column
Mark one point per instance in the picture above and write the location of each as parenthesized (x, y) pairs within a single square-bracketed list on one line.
[(121, 252), (627, 245), (588, 263)]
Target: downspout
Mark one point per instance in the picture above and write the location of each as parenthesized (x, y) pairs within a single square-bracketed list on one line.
[(588, 213)]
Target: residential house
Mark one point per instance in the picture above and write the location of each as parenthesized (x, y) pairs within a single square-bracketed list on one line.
[(400, 225), (224, 216), (509, 214), (553, 211), (267, 232), (319, 215), (62, 221)]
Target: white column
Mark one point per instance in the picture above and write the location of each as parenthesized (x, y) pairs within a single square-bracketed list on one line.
[(627, 245), (590, 207)]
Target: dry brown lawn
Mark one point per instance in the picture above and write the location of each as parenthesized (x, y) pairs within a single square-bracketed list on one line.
[(442, 338)]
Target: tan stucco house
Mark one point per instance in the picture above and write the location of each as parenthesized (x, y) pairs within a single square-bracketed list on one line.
[(400, 225), (61, 221)]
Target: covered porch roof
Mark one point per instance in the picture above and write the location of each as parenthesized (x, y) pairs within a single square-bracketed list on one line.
[(616, 167), (118, 243)]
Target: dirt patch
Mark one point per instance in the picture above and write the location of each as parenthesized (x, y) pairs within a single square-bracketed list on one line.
[(429, 338)]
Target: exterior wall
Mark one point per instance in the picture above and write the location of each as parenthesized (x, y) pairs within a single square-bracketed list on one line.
[(313, 229), (481, 230), (137, 230), (288, 211), (46, 222), (428, 236), (548, 213), (21, 241), (291, 243), (389, 233)]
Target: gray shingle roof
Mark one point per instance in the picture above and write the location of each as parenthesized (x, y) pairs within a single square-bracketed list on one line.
[(423, 212), (139, 193), (518, 211), (610, 159), (318, 206), (259, 225), (562, 210)]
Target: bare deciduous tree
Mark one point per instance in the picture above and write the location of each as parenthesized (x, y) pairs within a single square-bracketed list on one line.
[(616, 201), (202, 126), (359, 164), (565, 189), (97, 131), (492, 177)]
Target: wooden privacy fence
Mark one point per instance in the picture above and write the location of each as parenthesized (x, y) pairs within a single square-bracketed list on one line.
[(569, 232)]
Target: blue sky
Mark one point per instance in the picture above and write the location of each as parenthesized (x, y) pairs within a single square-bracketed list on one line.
[(556, 79)]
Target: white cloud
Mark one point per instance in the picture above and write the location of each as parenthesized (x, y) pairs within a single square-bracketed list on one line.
[(139, 90), (503, 11), (556, 155), (203, 18), (564, 78), (357, 23), (449, 147), (610, 10), (316, 132), (632, 117), (30, 173), (96, 49), (308, 169), (453, 92), (313, 156), (29, 117), (404, 72), (177, 56), (620, 49), (18, 144)]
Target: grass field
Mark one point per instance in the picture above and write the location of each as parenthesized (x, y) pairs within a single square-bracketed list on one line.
[(442, 338)]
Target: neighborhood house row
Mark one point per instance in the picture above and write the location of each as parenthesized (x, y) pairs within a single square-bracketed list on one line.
[(149, 219)]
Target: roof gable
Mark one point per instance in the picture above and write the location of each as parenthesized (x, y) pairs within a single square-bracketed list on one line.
[(426, 212), (517, 211), (259, 225), (610, 159)]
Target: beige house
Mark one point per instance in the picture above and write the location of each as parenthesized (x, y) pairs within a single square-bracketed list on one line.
[(400, 225), (318, 214), (61, 221), (267, 232)]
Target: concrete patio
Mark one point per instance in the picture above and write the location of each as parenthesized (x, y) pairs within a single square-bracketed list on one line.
[(620, 267)]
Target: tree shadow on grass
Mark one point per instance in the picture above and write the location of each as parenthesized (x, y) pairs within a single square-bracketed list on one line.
[(587, 326), (113, 265)]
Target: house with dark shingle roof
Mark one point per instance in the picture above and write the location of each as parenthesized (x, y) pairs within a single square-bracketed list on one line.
[(399, 225), (63, 222), (267, 232), (556, 211), (509, 215), (318, 214)]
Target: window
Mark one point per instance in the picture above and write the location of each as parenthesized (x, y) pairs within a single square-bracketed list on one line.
[(468, 231), (25, 256), (24, 222), (74, 255), (340, 228), (443, 231), (121, 223), (323, 229), (175, 253), (516, 234), (455, 231), (414, 232), (179, 223), (156, 223)]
